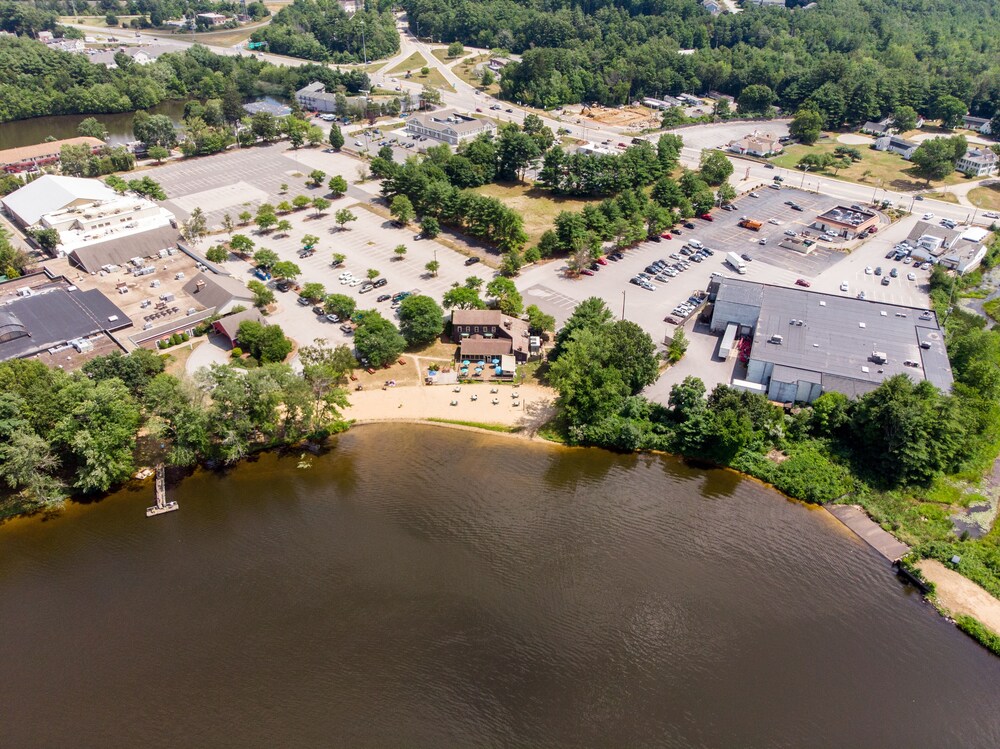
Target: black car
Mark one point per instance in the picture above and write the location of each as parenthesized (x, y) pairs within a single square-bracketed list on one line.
[(616, 256), (283, 285), (686, 251), (379, 283), (384, 298), (317, 310), (688, 225), (797, 207), (656, 238), (472, 261), (746, 257)]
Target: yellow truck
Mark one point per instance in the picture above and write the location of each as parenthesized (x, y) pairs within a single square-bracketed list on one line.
[(749, 223)]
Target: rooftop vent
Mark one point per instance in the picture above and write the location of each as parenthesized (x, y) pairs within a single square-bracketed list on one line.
[(862, 325)]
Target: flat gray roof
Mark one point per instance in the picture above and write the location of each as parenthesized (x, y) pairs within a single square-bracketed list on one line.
[(119, 251), (837, 335), (57, 316)]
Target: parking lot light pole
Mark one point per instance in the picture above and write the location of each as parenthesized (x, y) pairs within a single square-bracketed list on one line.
[(623, 304)]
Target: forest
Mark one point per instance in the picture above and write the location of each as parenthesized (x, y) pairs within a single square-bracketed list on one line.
[(851, 60), (321, 30), (41, 81)]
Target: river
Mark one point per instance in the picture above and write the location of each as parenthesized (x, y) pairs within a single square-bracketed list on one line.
[(423, 587)]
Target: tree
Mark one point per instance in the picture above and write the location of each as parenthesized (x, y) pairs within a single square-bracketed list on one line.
[(755, 99), (265, 218), (430, 227), (323, 369), (47, 239), (265, 343), (725, 194), (313, 291), (539, 322), (337, 185), (286, 269), (421, 320), (515, 152), (400, 251), (135, 370), (245, 218), (462, 297), (372, 274), (196, 226), (433, 267), (337, 259), (402, 210), (154, 130), (241, 244), (950, 110), (264, 126), (715, 167), (227, 223), (377, 340), (508, 298), (316, 177), (320, 205), (217, 254), (265, 259), (590, 313), (487, 78), (455, 49), (309, 241), (806, 126), (678, 345), (344, 217), (425, 71), (262, 296), (935, 158), (340, 305), (300, 201), (92, 128), (904, 118), (283, 227), (336, 137)]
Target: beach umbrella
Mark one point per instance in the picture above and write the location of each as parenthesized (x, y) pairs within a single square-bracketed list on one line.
[(499, 370), (496, 361), (466, 363)]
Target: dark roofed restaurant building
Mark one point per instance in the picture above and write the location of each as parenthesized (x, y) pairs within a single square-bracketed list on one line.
[(487, 334), (806, 343), (846, 222)]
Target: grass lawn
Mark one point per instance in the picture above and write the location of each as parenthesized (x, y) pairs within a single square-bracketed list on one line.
[(467, 72), (413, 64), (536, 206), (947, 197), (876, 167), (986, 197), (442, 55)]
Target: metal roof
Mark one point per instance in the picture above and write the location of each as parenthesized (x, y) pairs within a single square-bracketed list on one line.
[(52, 193), (117, 251)]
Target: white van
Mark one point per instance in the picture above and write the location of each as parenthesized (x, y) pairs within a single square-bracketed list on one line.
[(695, 244)]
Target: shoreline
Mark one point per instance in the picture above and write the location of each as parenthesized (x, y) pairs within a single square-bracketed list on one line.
[(955, 595)]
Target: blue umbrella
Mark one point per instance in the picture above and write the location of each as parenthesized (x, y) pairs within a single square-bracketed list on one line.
[(466, 363), (499, 370), (496, 361)]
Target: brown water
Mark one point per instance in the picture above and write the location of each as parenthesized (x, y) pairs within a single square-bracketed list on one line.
[(119, 125), (420, 587)]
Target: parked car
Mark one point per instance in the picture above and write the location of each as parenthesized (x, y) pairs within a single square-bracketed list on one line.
[(472, 260), (380, 282), (587, 272), (798, 208), (747, 257), (894, 273), (928, 216), (667, 235), (868, 270), (802, 282), (911, 276), (706, 217), (317, 310), (878, 271), (885, 280), (333, 318), (843, 286), (283, 285), (384, 298), (303, 301)]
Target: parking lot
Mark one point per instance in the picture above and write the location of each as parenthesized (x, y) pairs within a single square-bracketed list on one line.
[(558, 294)]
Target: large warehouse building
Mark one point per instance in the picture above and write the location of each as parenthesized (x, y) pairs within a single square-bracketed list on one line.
[(805, 343)]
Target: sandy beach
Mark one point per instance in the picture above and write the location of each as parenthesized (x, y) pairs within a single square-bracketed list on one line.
[(533, 406), (959, 595)]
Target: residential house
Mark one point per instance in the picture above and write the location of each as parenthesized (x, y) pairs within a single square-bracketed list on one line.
[(30, 158), (881, 128), (489, 334), (895, 144), (757, 144), (712, 6), (448, 126), (979, 124), (977, 162), (931, 241)]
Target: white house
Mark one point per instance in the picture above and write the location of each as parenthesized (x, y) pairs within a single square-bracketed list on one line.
[(880, 128), (977, 162), (979, 124), (897, 145), (712, 6)]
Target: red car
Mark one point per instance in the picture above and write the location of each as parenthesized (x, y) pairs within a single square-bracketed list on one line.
[(802, 282), (873, 229), (601, 261), (667, 235), (706, 217), (587, 272)]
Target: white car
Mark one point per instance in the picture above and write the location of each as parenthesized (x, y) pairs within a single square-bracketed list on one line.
[(843, 286), (754, 195), (868, 270), (790, 233), (991, 214), (928, 216), (774, 221), (354, 282), (911, 276), (763, 240), (359, 144)]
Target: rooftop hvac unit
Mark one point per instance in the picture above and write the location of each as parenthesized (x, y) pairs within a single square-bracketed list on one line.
[(879, 357)]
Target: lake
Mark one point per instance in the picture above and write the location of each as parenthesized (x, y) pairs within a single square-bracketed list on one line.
[(424, 587)]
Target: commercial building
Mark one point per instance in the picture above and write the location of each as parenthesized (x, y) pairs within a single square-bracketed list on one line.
[(315, 97), (806, 343), (448, 126), (30, 158), (489, 334), (228, 327), (84, 211), (44, 314), (757, 144), (846, 222), (211, 19), (218, 292), (931, 241)]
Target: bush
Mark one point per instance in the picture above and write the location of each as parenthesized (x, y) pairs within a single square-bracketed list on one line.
[(975, 629), (236, 353), (185, 338)]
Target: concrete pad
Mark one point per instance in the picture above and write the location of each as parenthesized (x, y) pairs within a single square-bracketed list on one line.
[(220, 198)]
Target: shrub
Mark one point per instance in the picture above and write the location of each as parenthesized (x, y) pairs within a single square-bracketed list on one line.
[(236, 353), (975, 629)]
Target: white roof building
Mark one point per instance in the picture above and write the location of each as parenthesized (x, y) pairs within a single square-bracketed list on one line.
[(83, 211)]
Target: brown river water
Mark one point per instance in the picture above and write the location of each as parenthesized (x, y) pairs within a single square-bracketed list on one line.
[(424, 587)]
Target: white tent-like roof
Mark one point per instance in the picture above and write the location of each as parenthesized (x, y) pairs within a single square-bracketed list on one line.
[(52, 193)]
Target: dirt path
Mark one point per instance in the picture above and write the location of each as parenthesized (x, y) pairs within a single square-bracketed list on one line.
[(960, 595)]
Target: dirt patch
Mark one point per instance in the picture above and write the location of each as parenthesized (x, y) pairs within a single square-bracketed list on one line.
[(959, 595), (777, 457)]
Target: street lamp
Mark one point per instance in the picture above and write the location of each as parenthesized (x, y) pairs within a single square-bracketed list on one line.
[(804, 172), (623, 304)]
